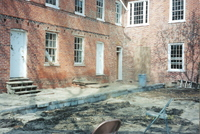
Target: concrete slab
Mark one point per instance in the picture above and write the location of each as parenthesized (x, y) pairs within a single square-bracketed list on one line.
[(49, 99)]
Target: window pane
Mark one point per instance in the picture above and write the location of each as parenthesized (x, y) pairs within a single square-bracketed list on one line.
[(138, 12), (177, 9), (176, 57), (100, 9), (50, 47), (78, 50)]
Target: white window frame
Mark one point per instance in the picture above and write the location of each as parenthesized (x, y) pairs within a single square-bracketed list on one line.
[(48, 55), (79, 63), (169, 58), (118, 13), (52, 5), (103, 10), (83, 8), (171, 12), (145, 16)]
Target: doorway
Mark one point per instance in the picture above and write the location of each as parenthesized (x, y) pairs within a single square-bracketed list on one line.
[(18, 51), (99, 58), (119, 63)]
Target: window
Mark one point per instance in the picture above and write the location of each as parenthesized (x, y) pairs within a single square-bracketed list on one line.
[(176, 57), (52, 3), (78, 50), (138, 12), (100, 9), (177, 10), (80, 7), (118, 12), (51, 47)]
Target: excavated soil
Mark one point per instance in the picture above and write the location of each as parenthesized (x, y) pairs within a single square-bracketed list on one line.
[(183, 115)]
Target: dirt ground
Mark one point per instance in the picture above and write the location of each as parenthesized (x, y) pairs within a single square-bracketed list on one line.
[(183, 115)]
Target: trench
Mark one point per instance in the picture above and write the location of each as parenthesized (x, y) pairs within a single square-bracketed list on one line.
[(83, 119)]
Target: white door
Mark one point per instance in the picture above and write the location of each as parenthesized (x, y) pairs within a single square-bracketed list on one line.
[(119, 63), (99, 59), (18, 51)]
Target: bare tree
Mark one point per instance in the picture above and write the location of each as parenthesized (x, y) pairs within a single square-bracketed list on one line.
[(187, 32)]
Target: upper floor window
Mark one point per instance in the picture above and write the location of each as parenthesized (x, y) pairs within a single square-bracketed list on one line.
[(80, 7), (176, 57), (138, 12), (177, 10), (118, 13), (78, 51), (52, 3), (51, 47), (100, 9)]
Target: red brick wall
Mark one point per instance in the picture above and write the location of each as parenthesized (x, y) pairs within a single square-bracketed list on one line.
[(142, 46), (35, 18), (146, 52)]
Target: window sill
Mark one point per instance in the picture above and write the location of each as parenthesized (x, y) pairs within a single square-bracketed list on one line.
[(49, 5), (101, 19), (138, 25), (79, 65), (77, 13), (118, 24), (53, 64), (179, 21), (100, 74), (177, 70)]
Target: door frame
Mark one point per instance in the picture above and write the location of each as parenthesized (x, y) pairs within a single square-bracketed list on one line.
[(25, 51), (119, 58), (101, 72)]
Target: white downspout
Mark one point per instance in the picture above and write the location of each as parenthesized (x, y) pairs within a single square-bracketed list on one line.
[(124, 5)]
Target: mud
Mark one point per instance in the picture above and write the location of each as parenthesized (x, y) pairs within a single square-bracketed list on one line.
[(183, 115)]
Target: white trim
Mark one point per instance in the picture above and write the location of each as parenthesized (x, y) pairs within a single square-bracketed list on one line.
[(83, 52), (53, 6), (144, 16), (170, 13), (83, 7), (102, 44), (124, 5), (169, 58), (51, 63), (103, 13), (120, 62), (120, 12)]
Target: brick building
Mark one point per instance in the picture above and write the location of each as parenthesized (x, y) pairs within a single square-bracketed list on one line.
[(53, 42)]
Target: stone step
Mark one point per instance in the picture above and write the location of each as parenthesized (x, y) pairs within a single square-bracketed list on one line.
[(83, 83), (19, 82), (27, 92), (98, 85), (24, 87), (18, 79), (21, 86)]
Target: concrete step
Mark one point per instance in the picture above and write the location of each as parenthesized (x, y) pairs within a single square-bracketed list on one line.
[(24, 87), (98, 85), (19, 82), (84, 83), (18, 79), (27, 92), (21, 86)]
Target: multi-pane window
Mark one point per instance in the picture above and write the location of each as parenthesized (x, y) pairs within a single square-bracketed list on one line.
[(52, 3), (176, 57), (177, 10), (51, 47), (118, 12), (78, 50), (138, 12), (100, 9), (79, 6)]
